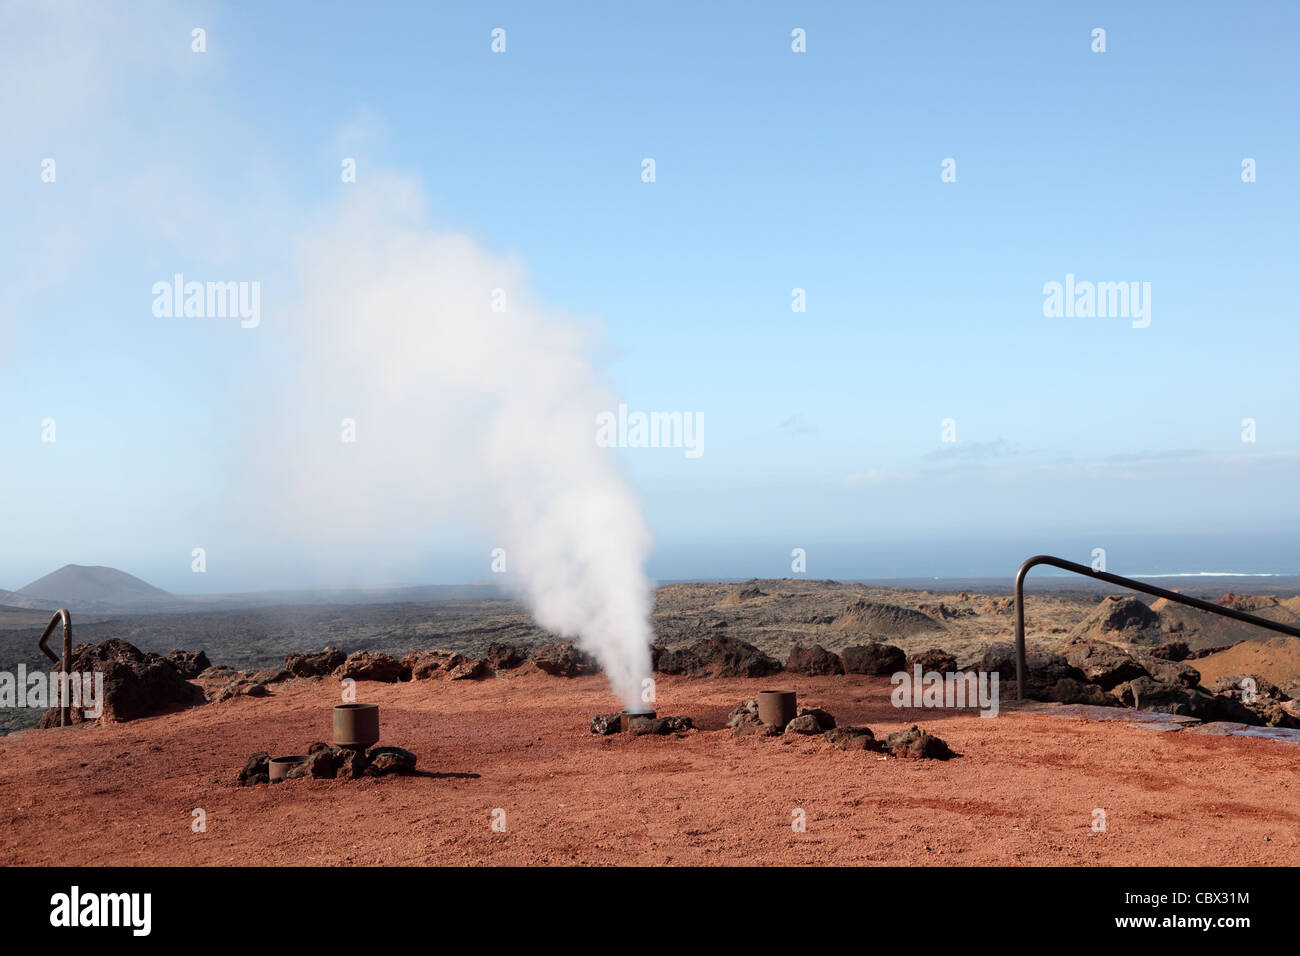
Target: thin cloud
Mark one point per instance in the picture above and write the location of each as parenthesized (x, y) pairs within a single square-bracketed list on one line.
[(798, 425), (973, 451), (874, 476)]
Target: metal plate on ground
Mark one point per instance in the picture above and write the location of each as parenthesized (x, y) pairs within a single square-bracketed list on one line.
[(1227, 728), (1147, 719)]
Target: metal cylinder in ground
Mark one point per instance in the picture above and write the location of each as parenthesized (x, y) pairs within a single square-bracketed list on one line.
[(776, 707), (278, 767), (356, 725), (625, 719)]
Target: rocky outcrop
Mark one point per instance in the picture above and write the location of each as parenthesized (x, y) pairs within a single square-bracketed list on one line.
[(814, 661), (327, 762), (717, 656), (875, 619), (504, 657), (1049, 676), (606, 724), (136, 684), (1044, 667), (1250, 603), (741, 595), (745, 710), (563, 659), (743, 721), (471, 669), (368, 665), (1172, 651), (1215, 649), (1101, 674), (256, 770), (218, 672), (824, 720), (996, 606), (1067, 690), (806, 724), (850, 738), (240, 686), (1168, 671), (319, 664), (914, 743), (189, 664), (425, 665), (945, 612), (382, 761), (444, 665), (810, 720), (350, 764), (1147, 693), (1101, 663), (874, 658), (755, 728), (934, 660), (221, 684), (1123, 619), (641, 726), (1268, 702), (321, 764)]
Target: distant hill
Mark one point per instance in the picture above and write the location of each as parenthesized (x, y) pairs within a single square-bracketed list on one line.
[(876, 619), (79, 586), (108, 591), (1275, 658), (1201, 630), (1123, 619)]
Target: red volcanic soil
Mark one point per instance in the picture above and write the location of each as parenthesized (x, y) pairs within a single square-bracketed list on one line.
[(1023, 792)]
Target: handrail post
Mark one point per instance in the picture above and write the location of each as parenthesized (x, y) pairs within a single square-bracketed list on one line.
[(1020, 631), (65, 712)]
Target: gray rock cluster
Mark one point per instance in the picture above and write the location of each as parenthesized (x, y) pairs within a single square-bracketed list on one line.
[(327, 762), (1161, 679), (608, 724), (813, 721)]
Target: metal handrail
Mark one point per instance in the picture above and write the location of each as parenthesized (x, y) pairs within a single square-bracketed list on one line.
[(1124, 583), (62, 615)]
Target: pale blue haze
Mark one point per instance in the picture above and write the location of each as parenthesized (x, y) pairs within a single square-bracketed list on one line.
[(774, 171)]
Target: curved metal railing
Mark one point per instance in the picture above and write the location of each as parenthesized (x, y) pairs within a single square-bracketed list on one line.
[(1124, 583), (61, 616)]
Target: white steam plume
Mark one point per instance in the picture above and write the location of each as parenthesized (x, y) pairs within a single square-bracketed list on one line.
[(458, 407)]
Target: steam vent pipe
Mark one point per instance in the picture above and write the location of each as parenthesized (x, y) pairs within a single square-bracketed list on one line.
[(278, 767), (776, 708), (626, 717), (356, 725)]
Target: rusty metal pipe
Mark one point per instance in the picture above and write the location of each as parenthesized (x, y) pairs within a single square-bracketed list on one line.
[(776, 708), (277, 768), (356, 725), (65, 715), (626, 717)]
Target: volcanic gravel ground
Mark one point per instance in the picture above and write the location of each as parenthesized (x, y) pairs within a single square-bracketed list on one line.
[(1024, 790)]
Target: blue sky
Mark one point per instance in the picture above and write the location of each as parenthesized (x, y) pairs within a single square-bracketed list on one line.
[(775, 170)]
